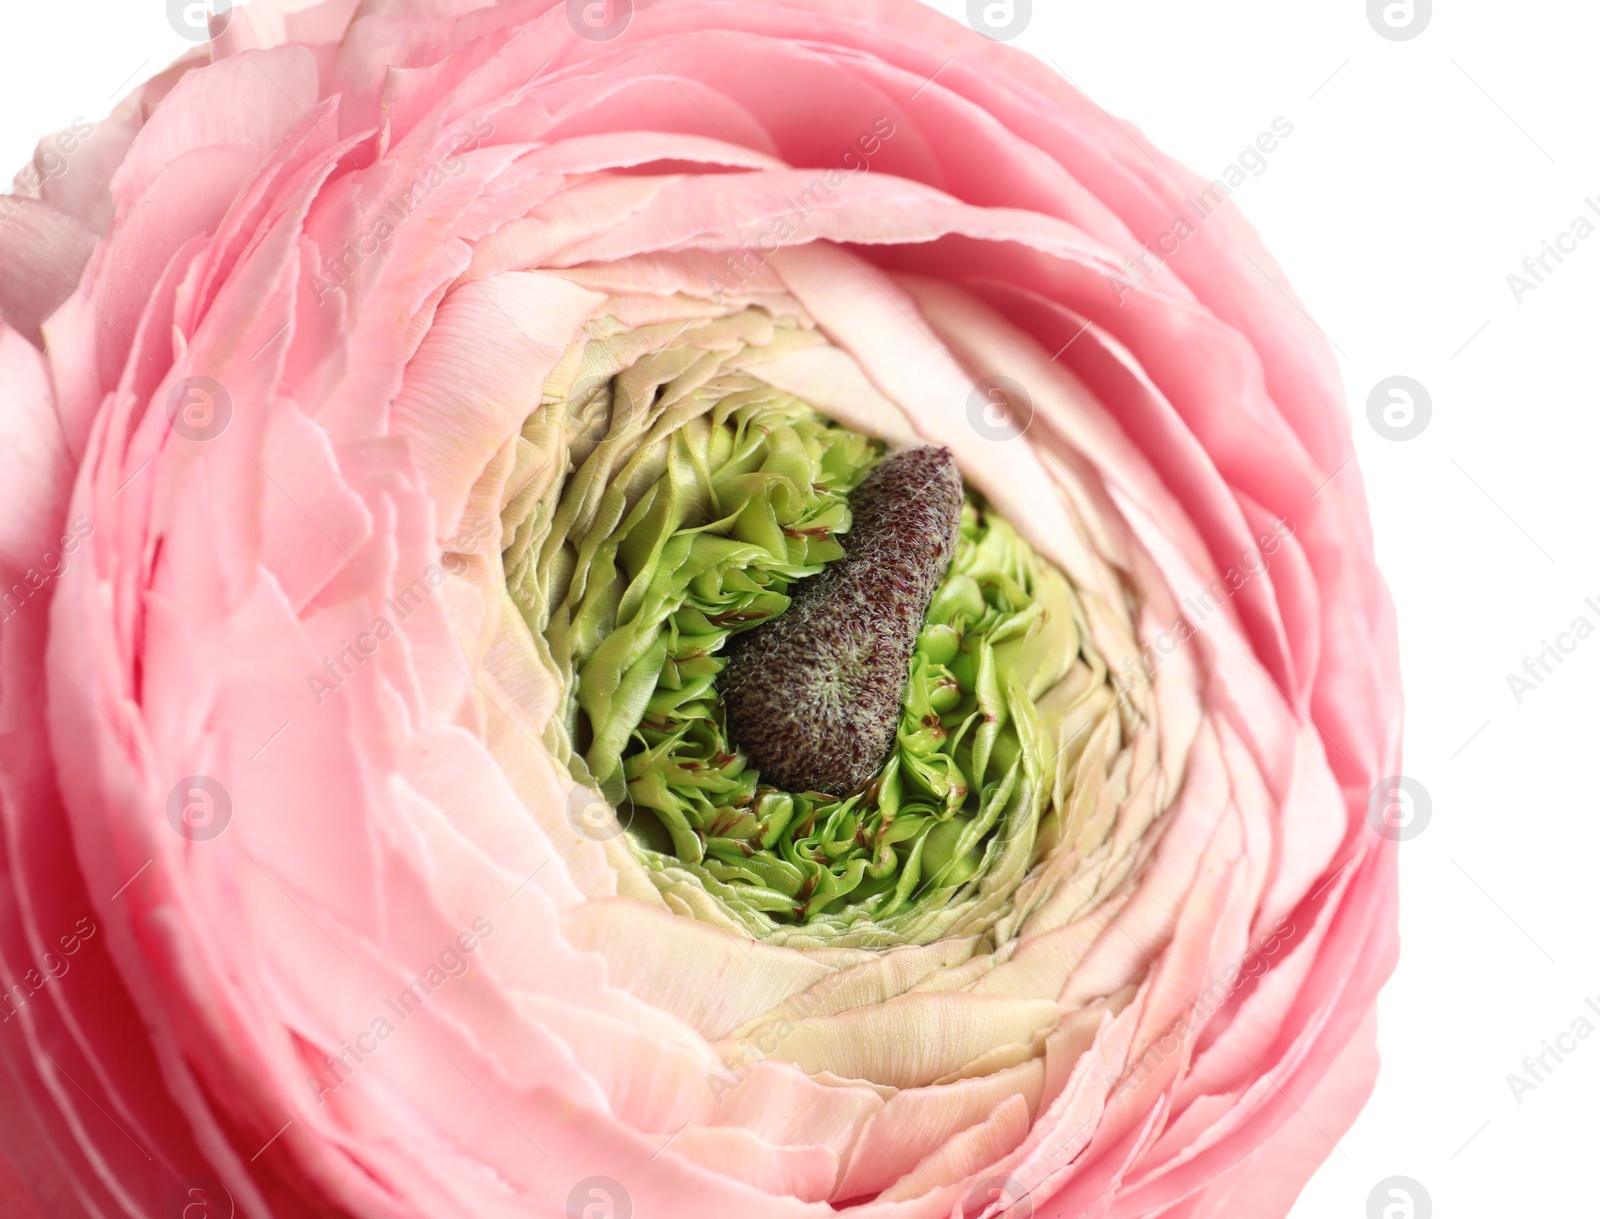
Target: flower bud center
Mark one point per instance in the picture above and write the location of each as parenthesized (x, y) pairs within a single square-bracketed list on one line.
[(811, 678), (814, 696)]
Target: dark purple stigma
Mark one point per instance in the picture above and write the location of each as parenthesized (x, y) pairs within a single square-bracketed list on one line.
[(813, 697)]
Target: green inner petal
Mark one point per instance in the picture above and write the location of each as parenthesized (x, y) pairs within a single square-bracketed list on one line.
[(749, 501)]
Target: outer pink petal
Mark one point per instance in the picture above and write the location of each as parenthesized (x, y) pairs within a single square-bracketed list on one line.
[(42, 253)]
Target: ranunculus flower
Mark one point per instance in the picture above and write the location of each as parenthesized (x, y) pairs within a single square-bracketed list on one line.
[(422, 422)]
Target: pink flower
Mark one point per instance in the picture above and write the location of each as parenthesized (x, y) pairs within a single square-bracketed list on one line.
[(373, 386)]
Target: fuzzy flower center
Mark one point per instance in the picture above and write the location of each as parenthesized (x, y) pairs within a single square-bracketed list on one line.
[(814, 696)]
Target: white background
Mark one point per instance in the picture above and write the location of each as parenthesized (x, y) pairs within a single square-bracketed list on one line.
[(1420, 174)]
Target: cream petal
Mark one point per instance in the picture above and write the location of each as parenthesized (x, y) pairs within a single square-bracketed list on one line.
[(913, 1040), (645, 948)]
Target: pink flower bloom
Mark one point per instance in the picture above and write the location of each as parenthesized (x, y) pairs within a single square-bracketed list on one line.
[(332, 367)]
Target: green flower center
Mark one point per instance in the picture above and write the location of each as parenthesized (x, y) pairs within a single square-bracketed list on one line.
[(649, 562)]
